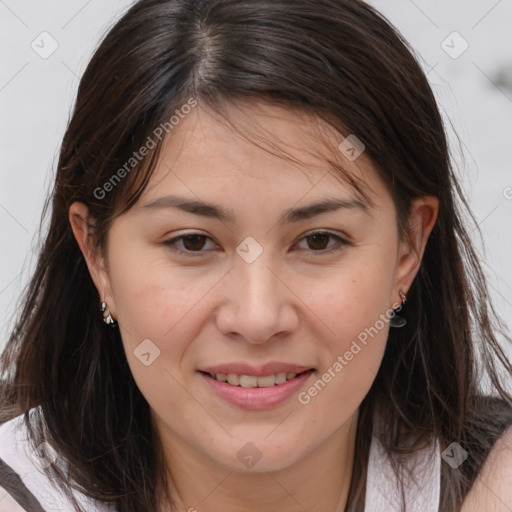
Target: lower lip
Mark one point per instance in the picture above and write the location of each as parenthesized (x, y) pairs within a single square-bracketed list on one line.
[(257, 398)]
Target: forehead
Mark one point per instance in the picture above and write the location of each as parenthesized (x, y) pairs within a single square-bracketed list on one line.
[(259, 143)]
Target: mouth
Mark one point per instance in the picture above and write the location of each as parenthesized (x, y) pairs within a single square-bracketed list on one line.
[(256, 392), (256, 381)]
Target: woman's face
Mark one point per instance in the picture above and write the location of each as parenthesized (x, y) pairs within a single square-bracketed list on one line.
[(276, 285)]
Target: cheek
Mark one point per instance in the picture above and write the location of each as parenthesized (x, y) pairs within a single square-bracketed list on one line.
[(354, 298), (158, 305), (159, 318), (355, 311), (152, 296), (351, 355), (155, 303)]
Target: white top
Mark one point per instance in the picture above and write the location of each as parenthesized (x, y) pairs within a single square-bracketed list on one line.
[(382, 491), (422, 494), (17, 452)]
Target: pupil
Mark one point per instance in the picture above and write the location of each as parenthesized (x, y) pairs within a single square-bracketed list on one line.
[(317, 242), (193, 238), (315, 237)]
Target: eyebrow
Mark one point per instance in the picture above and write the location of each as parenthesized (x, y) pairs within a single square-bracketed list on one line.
[(289, 216)]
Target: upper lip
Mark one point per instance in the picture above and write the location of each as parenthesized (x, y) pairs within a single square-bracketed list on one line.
[(246, 369)]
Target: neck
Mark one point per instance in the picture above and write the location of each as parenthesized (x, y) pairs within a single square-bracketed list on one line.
[(317, 482)]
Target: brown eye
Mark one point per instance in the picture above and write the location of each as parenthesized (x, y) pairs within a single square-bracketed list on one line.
[(193, 242), (318, 244), (188, 244), (319, 241)]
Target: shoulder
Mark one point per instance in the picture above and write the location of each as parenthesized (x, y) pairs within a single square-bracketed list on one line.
[(488, 471), (14, 466), (8, 503), (492, 488), (24, 476)]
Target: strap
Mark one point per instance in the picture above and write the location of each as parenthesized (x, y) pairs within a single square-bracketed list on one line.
[(13, 484), (17, 453)]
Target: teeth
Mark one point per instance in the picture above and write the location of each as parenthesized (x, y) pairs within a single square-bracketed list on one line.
[(267, 381), (280, 378), (248, 382), (233, 379), (252, 381)]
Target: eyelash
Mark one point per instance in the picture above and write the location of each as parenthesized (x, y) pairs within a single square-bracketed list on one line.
[(342, 243)]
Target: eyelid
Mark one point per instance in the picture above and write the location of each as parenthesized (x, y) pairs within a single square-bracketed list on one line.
[(171, 243), (342, 241)]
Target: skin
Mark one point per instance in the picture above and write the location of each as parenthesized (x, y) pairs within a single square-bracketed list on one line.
[(289, 305), (491, 490)]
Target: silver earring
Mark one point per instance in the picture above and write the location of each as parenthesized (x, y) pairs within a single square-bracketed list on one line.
[(107, 317), (396, 320)]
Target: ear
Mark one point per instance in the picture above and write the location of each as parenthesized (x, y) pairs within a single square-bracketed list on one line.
[(82, 225), (422, 218)]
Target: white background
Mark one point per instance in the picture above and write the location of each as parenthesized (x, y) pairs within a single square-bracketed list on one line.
[(36, 96)]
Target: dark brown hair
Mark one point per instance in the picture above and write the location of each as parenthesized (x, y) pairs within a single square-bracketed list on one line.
[(339, 60)]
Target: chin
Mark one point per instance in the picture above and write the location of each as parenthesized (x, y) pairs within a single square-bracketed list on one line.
[(257, 454)]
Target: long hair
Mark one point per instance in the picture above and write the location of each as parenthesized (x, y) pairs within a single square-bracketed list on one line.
[(338, 60)]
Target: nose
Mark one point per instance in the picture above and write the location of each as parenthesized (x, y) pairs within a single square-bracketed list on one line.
[(258, 304)]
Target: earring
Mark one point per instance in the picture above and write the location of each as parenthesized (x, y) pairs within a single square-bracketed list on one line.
[(107, 317), (396, 320)]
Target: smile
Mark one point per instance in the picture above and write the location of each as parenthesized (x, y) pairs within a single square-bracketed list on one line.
[(255, 392), (253, 381)]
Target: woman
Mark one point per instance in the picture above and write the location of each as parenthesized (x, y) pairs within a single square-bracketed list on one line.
[(256, 291)]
